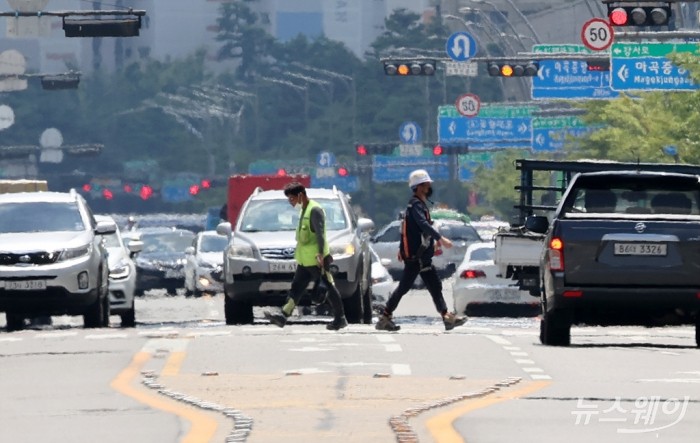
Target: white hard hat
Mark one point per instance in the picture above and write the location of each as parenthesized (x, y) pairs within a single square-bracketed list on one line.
[(419, 176)]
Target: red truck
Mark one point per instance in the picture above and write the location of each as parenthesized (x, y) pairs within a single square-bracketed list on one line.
[(242, 185)]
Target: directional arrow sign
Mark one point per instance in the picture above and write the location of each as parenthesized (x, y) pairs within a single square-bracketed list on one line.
[(551, 133), (460, 46), (644, 66), (410, 133)]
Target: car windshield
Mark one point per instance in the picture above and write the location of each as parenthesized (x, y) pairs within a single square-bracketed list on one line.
[(40, 217), (213, 243), (279, 215), (483, 254), (111, 241), (460, 232), (176, 241)]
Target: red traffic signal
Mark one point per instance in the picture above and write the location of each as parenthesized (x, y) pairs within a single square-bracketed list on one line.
[(146, 192), (361, 149), (343, 171), (206, 184), (281, 172), (194, 189), (618, 17), (437, 150), (87, 187), (636, 15), (107, 194)]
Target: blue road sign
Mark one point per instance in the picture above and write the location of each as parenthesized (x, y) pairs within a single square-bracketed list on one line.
[(486, 132), (553, 139), (325, 159), (349, 183), (568, 79), (644, 66), (461, 46), (410, 133), (397, 169)]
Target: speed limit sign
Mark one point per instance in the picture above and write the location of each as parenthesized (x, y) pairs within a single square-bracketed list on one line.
[(468, 105), (597, 34)]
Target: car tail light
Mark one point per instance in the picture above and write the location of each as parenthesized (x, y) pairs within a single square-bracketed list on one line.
[(556, 254), (438, 251), (573, 293), (472, 273)]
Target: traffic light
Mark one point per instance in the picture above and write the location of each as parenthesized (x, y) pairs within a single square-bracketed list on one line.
[(364, 149), (437, 150), (343, 171), (504, 69), (622, 14), (403, 68)]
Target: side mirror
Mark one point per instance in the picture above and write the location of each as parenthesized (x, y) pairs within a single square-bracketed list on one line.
[(105, 227), (189, 250), (385, 261), (365, 224), (224, 229), (135, 246), (537, 223)]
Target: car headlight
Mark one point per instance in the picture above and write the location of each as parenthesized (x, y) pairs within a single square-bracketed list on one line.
[(240, 251), (121, 270), (180, 262), (69, 254), (342, 249)]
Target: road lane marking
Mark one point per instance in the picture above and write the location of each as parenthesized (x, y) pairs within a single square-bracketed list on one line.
[(57, 334), (202, 429), (106, 336), (400, 369), (441, 426), (393, 348)]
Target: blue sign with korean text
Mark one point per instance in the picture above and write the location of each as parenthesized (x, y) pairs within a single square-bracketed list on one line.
[(553, 139), (347, 184), (461, 46), (569, 79), (387, 168), (644, 66), (486, 132)]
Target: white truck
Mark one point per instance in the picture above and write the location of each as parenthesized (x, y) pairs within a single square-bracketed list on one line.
[(542, 183)]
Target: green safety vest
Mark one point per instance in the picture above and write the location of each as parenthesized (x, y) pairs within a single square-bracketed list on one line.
[(307, 248)]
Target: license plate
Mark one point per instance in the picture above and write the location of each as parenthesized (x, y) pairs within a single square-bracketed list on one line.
[(25, 285), (283, 266), (648, 249)]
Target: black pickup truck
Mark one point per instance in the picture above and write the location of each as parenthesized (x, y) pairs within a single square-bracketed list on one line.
[(623, 247)]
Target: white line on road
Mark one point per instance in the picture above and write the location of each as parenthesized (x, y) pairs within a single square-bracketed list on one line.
[(524, 361), (105, 336), (393, 348), (400, 369), (498, 340), (59, 334)]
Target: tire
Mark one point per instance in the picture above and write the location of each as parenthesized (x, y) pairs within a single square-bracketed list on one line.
[(15, 322), (106, 310), (237, 313), (555, 329), (367, 304), (94, 316), (353, 306), (129, 317)]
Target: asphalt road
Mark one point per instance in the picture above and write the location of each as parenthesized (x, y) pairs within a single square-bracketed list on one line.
[(182, 375)]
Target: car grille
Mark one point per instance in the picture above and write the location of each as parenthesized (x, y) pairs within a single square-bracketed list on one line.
[(277, 253), (32, 258)]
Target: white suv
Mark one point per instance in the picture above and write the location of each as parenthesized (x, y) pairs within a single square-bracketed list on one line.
[(259, 260), (52, 260)]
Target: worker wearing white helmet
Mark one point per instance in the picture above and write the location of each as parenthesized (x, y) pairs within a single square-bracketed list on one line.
[(416, 249)]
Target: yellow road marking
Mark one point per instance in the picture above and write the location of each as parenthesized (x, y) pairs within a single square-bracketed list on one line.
[(172, 366), (441, 428), (202, 427)]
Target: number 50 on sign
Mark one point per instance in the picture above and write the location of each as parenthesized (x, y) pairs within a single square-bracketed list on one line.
[(597, 34), (468, 105)]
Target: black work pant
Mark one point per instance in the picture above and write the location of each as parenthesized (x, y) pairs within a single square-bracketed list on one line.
[(305, 275), (411, 270)]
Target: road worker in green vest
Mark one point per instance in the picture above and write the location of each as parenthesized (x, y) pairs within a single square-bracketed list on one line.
[(312, 257)]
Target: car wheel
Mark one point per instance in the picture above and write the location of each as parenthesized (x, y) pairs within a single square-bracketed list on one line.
[(93, 316), (129, 317), (237, 313), (555, 329), (367, 304), (353, 306), (15, 322), (106, 311)]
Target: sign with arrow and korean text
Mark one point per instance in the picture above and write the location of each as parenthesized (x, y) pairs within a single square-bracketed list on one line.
[(461, 46), (644, 66), (551, 133), (495, 127)]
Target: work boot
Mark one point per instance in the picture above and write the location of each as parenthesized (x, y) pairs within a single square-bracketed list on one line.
[(452, 320), (386, 324), (338, 323), (276, 318)]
